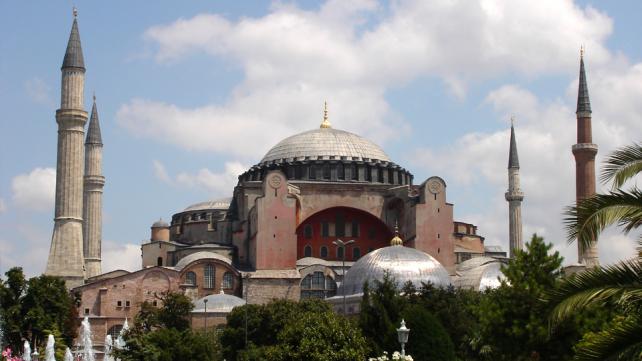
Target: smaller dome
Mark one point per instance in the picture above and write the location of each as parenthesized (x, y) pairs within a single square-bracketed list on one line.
[(223, 203), (480, 273), (404, 264), (183, 262), (220, 303), (160, 224)]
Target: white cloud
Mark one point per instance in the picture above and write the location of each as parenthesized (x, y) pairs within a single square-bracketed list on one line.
[(35, 190), (160, 172), (39, 91), (215, 184), (350, 54), (117, 256)]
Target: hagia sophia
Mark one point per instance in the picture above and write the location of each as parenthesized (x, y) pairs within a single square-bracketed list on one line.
[(320, 214)]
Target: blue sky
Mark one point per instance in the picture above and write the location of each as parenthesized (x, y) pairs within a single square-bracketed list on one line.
[(191, 93)]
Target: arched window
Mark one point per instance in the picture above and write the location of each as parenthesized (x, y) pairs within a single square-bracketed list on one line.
[(340, 253), (326, 171), (379, 175), (354, 172), (159, 261), (114, 331), (307, 251), (313, 172), (317, 285), (324, 252), (228, 280), (190, 278), (356, 253), (208, 276), (341, 171)]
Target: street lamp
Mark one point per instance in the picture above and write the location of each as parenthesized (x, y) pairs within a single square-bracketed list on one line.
[(205, 302), (402, 335), (342, 244)]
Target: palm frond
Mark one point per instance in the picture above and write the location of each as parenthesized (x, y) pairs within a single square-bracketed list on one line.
[(622, 165), (621, 341), (621, 282), (589, 217)]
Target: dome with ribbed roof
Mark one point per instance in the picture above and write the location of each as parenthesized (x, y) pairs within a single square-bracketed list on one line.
[(403, 263), (324, 143)]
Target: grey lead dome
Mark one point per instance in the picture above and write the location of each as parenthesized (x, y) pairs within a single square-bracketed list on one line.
[(324, 143), (404, 264)]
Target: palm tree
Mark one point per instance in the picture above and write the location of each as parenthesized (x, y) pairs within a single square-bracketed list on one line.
[(618, 285)]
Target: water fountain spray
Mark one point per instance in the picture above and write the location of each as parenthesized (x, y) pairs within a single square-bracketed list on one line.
[(68, 355), (26, 351), (85, 337), (49, 350), (108, 346)]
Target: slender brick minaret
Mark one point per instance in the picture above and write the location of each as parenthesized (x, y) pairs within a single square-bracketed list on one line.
[(584, 152), (93, 196), (66, 252), (514, 197)]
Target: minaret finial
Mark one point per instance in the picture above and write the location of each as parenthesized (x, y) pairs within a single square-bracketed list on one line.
[(94, 96), (326, 122), (512, 120), (75, 11), (582, 51)]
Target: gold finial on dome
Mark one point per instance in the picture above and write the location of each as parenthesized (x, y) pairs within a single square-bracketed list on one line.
[(582, 51), (326, 122), (396, 240)]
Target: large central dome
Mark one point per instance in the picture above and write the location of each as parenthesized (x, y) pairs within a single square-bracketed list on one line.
[(325, 143)]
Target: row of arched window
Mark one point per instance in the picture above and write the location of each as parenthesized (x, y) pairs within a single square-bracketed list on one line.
[(323, 252), (318, 285), (209, 276)]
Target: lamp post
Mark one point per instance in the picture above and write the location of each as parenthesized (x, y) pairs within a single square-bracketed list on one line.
[(402, 335), (342, 244), (205, 302)]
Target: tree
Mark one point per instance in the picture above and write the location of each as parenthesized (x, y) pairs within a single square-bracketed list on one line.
[(282, 327), (428, 340), (380, 315), (511, 322), (618, 286), (30, 309), (315, 336)]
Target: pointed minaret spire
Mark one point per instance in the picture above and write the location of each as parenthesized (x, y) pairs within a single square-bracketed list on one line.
[(326, 122), (584, 152), (93, 131), (583, 101), (73, 55), (514, 196), (513, 159)]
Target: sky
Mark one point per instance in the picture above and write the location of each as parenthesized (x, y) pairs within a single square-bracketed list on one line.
[(192, 93)]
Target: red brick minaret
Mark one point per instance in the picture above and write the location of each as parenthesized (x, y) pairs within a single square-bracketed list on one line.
[(584, 152)]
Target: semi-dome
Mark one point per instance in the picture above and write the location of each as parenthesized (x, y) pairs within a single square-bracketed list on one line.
[(324, 143), (219, 303), (480, 273), (201, 255), (404, 264), (223, 203)]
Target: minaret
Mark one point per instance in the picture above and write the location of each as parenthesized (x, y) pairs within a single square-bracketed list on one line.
[(584, 152), (514, 196), (93, 196), (66, 252)]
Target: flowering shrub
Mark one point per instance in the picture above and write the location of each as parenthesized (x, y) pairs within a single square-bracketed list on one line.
[(396, 356), (6, 356)]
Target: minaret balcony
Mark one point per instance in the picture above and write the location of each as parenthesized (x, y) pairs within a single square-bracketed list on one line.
[(584, 148), (514, 196)]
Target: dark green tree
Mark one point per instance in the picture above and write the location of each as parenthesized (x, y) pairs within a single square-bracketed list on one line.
[(512, 319), (11, 293), (380, 315), (428, 340)]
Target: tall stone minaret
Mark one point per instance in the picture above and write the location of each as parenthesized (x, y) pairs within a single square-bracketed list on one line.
[(93, 196), (514, 196), (66, 252), (584, 152)]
